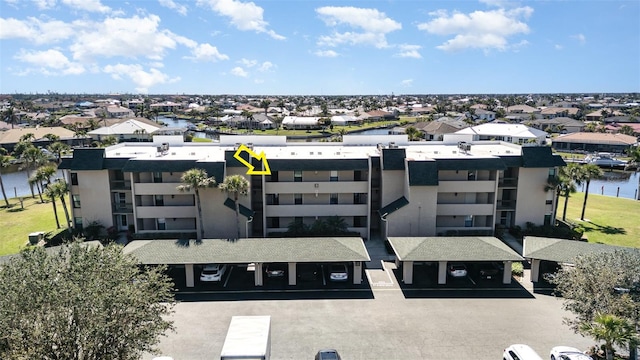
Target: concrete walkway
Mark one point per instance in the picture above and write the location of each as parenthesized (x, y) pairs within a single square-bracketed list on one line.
[(377, 252), (514, 243)]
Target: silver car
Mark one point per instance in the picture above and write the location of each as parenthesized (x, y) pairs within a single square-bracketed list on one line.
[(213, 272), (457, 270), (338, 272)]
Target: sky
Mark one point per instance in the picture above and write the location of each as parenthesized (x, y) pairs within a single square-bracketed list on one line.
[(313, 47)]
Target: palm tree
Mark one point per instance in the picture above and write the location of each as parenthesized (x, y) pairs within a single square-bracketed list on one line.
[(4, 162), (589, 171), (236, 185), (196, 179), (10, 116), (611, 329), (44, 174), (413, 133), (573, 174), (33, 157), (59, 189), (265, 105), (58, 148)]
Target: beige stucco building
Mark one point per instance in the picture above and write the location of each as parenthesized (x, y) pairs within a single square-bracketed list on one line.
[(378, 185)]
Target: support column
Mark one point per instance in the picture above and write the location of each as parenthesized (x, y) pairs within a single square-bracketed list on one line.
[(258, 274), (535, 270), (506, 276), (188, 270), (442, 272), (407, 272), (357, 272), (292, 273)]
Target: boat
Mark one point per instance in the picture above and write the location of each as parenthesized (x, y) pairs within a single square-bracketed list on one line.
[(604, 160)]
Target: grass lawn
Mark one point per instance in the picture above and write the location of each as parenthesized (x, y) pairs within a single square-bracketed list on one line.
[(17, 224), (608, 220)]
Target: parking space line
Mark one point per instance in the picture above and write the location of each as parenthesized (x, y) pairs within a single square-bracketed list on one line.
[(228, 276)]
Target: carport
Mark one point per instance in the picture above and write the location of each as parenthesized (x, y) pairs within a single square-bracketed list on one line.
[(442, 250), (560, 251), (251, 250)]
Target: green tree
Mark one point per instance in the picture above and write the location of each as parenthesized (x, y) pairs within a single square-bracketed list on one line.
[(196, 179), (4, 162), (60, 189), (573, 177), (610, 329), (82, 302), (33, 158), (265, 105), (413, 134), (588, 172), (44, 174), (236, 185), (626, 129), (58, 148)]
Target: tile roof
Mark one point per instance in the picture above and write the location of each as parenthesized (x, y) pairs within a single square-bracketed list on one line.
[(463, 248), (597, 138), (564, 251)]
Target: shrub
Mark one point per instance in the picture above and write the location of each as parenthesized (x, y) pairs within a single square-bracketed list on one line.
[(517, 269)]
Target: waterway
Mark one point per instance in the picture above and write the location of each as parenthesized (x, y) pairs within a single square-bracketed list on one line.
[(624, 184), (17, 183)]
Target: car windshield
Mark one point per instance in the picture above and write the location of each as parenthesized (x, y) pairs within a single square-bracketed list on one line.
[(210, 271), (329, 356)]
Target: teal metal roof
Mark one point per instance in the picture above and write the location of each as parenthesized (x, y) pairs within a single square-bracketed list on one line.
[(393, 159), (463, 248), (393, 206), (423, 173), (244, 211), (324, 249), (564, 251), (540, 157), (317, 164), (215, 169), (493, 163), (87, 159), (512, 161)]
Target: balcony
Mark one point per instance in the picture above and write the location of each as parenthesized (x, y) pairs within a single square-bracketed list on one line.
[(166, 212), (316, 210), (506, 205), (322, 187), (120, 185), (464, 231), (122, 208), (466, 186), (157, 189), (508, 183), (464, 209)]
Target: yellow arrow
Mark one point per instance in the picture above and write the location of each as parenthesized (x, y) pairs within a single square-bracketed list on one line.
[(262, 157)]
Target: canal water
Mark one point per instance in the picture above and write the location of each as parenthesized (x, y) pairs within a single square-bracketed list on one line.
[(17, 183)]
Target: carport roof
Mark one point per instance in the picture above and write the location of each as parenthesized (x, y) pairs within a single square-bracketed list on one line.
[(563, 251), (463, 248), (326, 249)]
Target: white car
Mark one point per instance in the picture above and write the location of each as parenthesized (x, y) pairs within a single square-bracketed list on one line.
[(568, 353), (458, 270), (338, 272), (213, 272)]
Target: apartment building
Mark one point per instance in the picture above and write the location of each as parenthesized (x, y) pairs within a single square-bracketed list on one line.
[(379, 185)]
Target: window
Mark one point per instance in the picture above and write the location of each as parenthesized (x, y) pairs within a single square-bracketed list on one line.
[(297, 199), (360, 198), (161, 224), (273, 199), (547, 220), (77, 223), (273, 222), (76, 201), (552, 172), (359, 221), (471, 175), (157, 177), (297, 176), (468, 221), (159, 200), (74, 178), (333, 199), (334, 175)]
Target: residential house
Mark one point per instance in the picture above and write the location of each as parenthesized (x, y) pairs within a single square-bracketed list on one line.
[(522, 109), (553, 112), (345, 120), (484, 115), (128, 130), (594, 142), (301, 123), (559, 125), (116, 111), (10, 137), (512, 133)]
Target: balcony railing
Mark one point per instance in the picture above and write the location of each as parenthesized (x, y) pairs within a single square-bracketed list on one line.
[(120, 185), (506, 205), (508, 182), (122, 208)]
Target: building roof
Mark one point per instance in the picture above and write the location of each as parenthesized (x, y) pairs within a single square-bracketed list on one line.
[(496, 129), (564, 251), (12, 136), (522, 108), (248, 250), (462, 248), (562, 120), (597, 138), (300, 120), (128, 127), (540, 157)]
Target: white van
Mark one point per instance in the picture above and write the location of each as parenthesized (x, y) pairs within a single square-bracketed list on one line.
[(520, 352)]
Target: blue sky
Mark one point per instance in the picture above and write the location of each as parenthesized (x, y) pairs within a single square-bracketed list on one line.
[(295, 47)]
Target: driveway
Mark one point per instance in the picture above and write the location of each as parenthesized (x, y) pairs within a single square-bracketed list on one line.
[(380, 322)]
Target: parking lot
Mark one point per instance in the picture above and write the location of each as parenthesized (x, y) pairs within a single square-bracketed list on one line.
[(379, 319)]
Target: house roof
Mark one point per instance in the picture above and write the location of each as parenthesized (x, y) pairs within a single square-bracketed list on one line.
[(12, 136), (562, 120), (300, 120), (128, 127), (495, 129), (597, 138), (522, 108), (264, 250), (564, 251), (463, 248)]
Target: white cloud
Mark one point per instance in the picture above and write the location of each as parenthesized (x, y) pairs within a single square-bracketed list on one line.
[(266, 66), (480, 29), (87, 5), (409, 51), (407, 82), (35, 30), (248, 63), (206, 52), (143, 79), (238, 71), (45, 4), (127, 37), (49, 62), (371, 26), (179, 8), (558, 47), (580, 37), (258, 81), (245, 16), (326, 53)]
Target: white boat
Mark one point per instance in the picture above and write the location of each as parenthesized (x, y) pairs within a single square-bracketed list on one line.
[(604, 160)]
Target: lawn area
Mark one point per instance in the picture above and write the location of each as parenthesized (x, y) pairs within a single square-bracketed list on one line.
[(17, 224), (608, 220)]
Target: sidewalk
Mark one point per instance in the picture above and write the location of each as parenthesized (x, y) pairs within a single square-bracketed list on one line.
[(513, 243)]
